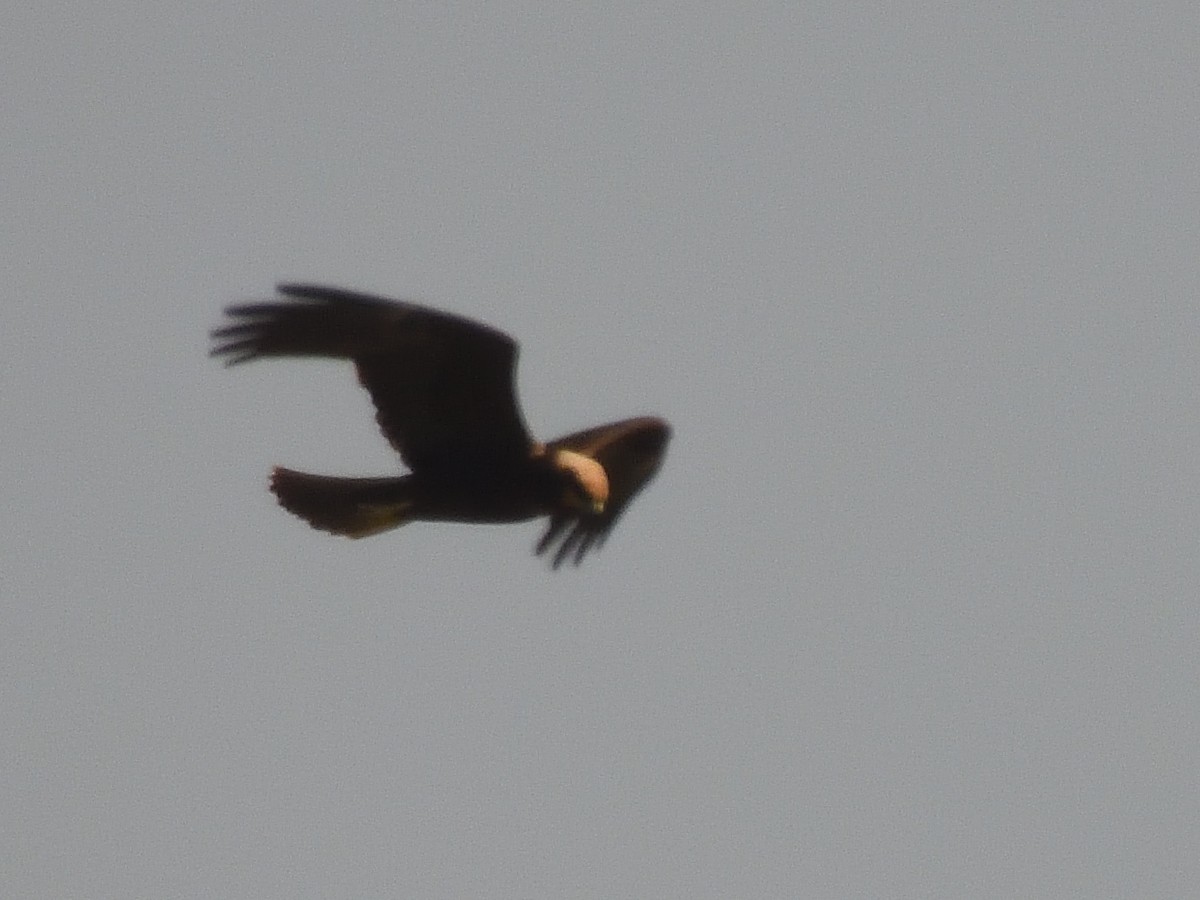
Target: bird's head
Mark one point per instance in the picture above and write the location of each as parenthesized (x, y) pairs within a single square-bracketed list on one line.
[(586, 482)]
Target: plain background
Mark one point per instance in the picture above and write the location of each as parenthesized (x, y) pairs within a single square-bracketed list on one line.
[(911, 610)]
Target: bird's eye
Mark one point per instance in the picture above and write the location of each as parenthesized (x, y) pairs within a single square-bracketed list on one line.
[(587, 500), (577, 495)]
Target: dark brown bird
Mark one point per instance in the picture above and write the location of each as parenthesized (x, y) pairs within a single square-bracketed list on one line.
[(445, 397)]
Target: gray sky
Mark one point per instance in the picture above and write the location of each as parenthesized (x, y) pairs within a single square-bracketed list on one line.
[(911, 610)]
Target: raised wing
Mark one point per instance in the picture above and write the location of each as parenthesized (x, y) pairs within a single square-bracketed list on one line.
[(443, 386), (630, 452)]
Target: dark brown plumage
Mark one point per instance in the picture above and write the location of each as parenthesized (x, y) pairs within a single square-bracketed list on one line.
[(445, 397)]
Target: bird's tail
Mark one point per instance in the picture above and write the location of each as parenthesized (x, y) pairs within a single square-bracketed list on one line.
[(354, 507)]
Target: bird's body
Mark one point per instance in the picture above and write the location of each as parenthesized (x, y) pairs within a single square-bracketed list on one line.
[(445, 397)]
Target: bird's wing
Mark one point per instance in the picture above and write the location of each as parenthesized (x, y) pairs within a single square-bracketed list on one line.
[(443, 386), (630, 452)]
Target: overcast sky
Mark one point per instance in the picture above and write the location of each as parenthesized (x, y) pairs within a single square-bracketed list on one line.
[(911, 609)]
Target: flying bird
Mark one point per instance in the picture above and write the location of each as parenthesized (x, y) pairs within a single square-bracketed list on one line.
[(444, 390)]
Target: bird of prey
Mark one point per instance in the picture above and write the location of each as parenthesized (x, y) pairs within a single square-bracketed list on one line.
[(445, 397)]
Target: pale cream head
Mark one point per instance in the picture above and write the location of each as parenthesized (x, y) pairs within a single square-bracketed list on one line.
[(590, 476)]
